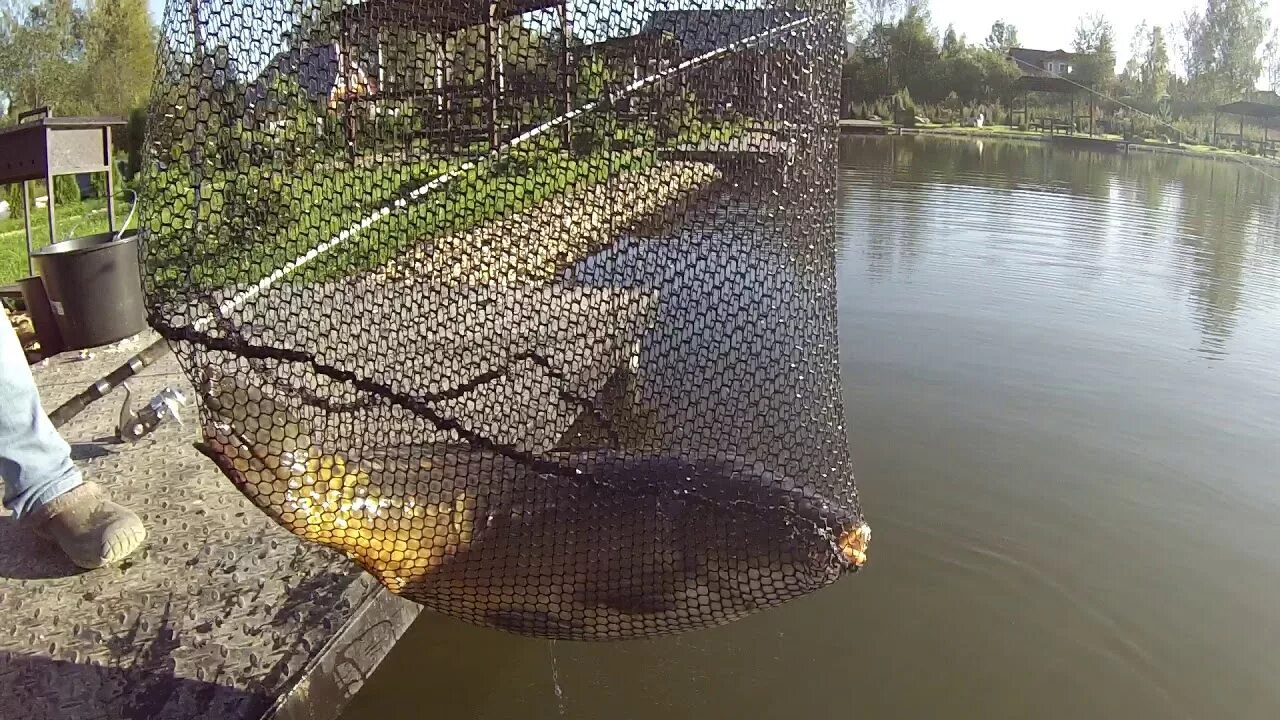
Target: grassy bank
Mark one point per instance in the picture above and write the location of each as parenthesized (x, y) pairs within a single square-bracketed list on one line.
[(82, 218), (1190, 149), (537, 244), (255, 221), (234, 225)]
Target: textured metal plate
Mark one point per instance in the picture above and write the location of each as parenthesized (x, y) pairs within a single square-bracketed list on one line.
[(222, 614)]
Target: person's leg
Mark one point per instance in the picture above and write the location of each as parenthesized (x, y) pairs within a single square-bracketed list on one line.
[(35, 462), (42, 486)]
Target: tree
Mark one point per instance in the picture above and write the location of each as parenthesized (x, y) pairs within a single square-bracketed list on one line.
[(120, 56), (1221, 56), (1002, 37), (41, 53), (965, 73), (1154, 70), (999, 76), (1271, 62), (913, 55), (1131, 76), (863, 17), (1095, 42), (1190, 31), (951, 43)]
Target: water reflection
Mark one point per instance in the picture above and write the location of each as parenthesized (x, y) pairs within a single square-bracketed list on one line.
[(1198, 223), (1075, 511)]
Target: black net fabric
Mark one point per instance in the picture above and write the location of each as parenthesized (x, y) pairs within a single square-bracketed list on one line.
[(528, 307)]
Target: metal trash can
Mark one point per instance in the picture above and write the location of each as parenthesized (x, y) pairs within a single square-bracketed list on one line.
[(94, 286)]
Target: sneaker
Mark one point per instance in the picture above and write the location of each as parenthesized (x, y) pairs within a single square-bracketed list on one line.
[(90, 529)]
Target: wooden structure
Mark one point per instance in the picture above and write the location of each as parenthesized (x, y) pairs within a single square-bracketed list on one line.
[(633, 57), (1263, 112), (1039, 82), (362, 27), (746, 81), (850, 126), (42, 147)]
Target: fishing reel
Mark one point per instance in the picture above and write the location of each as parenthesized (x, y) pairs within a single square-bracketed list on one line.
[(164, 406)]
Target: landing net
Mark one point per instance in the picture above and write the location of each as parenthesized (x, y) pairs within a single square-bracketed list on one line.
[(526, 306)]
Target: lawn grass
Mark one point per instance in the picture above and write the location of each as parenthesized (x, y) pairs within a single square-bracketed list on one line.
[(247, 221), (1005, 131), (256, 221), (73, 219)]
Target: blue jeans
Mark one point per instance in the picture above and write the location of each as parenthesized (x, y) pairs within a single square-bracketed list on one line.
[(35, 462)]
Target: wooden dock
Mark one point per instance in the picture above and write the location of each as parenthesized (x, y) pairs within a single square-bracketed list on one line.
[(1087, 142), (224, 614), (752, 146), (849, 126)]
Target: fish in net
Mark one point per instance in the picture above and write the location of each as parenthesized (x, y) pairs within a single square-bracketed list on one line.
[(527, 307)]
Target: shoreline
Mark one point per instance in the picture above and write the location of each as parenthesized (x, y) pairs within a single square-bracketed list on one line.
[(560, 230), (1122, 145)]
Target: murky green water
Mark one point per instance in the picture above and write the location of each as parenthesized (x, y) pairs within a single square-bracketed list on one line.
[(1063, 379)]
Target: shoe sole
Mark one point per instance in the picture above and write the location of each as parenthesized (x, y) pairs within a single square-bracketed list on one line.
[(115, 547)]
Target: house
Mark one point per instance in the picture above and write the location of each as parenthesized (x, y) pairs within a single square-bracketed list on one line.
[(753, 76), (1043, 63), (1264, 97)]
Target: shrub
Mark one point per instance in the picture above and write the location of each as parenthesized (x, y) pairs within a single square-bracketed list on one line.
[(135, 136), (904, 109), (66, 189)]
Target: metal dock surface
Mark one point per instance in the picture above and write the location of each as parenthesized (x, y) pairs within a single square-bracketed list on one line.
[(222, 614)]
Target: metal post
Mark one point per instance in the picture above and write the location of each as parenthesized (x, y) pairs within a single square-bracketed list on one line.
[(26, 224), (48, 179), (632, 100), (1242, 131), (446, 75), (111, 183), (382, 73), (439, 46), (566, 71), (347, 98), (491, 63)]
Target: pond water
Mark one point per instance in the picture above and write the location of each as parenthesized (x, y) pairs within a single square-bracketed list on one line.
[(1062, 372)]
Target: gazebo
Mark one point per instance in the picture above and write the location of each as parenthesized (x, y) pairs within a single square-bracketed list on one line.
[(1248, 109), (1056, 84)]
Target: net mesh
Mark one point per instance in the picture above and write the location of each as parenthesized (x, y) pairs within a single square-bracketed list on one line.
[(526, 306)]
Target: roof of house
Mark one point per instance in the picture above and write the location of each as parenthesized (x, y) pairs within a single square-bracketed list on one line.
[(314, 68), (1266, 97), (1046, 82), (1035, 57), (701, 31), (1034, 76), (643, 43)]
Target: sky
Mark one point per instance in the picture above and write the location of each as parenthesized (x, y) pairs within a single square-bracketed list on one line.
[(1050, 25)]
